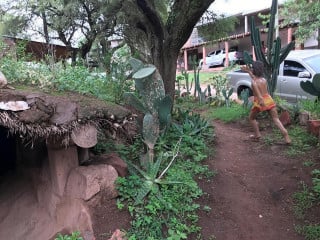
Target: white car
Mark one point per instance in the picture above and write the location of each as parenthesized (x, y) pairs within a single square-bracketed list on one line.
[(218, 57)]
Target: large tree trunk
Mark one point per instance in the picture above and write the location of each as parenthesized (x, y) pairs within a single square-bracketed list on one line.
[(159, 40), (167, 67)]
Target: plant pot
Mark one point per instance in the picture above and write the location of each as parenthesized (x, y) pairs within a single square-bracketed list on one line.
[(313, 127), (285, 118), (303, 118)]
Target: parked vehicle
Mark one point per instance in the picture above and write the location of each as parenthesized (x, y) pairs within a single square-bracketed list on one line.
[(218, 57), (300, 65)]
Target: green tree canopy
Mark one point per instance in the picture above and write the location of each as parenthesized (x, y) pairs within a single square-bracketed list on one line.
[(156, 30), (214, 27), (304, 12)]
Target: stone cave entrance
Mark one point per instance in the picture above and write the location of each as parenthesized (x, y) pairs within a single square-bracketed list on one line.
[(7, 151), (43, 189)]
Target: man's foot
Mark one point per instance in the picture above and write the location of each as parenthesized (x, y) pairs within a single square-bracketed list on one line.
[(287, 140), (254, 138)]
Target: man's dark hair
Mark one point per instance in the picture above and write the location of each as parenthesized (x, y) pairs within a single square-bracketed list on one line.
[(257, 68)]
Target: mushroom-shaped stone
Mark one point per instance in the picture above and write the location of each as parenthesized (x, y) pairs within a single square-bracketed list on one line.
[(85, 136), (3, 80)]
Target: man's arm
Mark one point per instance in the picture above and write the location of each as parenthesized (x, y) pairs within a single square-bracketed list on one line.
[(248, 70)]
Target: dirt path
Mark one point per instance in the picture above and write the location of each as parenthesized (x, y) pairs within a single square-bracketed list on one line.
[(250, 198)]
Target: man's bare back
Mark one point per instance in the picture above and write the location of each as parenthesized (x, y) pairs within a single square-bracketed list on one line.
[(261, 85)]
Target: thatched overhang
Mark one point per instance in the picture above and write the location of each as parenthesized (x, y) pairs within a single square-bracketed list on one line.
[(54, 116)]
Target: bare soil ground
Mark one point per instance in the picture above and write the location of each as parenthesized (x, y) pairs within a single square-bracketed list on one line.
[(250, 197)]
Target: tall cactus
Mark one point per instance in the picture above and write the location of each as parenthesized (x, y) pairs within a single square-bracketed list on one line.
[(197, 87), (153, 103), (275, 54)]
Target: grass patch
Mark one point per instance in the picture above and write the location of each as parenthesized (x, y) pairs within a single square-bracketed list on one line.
[(310, 232), (229, 114), (303, 200), (302, 141)]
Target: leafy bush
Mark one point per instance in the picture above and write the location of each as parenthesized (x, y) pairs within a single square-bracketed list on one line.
[(66, 78), (73, 236), (310, 232), (233, 113), (164, 211)]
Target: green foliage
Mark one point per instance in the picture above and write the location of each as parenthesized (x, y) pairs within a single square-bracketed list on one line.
[(152, 101), (229, 114), (313, 107), (156, 201), (316, 183), (303, 200), (196, 72), (313, 87), (65, 78), (188, 84), (306, 12), (302, 140), (222, 91), (218, 26), (73, 236), (227, 94), (19, 72), (190, 123), (152, 176), (245, 94), (219, 82), (119, 70), (310, 232), (275, 54)]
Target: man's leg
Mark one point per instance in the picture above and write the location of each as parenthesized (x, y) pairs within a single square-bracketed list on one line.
[(254, 124), (274, 114)]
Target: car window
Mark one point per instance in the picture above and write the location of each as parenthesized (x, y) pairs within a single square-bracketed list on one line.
[(218, 52), (314, 63), (292, 68)]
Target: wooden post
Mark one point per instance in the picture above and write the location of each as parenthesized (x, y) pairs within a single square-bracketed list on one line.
[(226, 47), (289, 35), (204, 54), (185, 56)]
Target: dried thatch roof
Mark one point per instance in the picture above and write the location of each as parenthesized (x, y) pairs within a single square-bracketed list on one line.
[(57, 116)]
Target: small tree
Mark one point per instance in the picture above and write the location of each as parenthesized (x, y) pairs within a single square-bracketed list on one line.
[(307, 12)]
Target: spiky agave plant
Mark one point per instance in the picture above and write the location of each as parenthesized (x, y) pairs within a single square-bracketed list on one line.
[(153, 176)]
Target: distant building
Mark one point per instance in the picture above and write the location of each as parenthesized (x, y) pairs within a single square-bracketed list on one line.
[(36, 50), (239, 38)]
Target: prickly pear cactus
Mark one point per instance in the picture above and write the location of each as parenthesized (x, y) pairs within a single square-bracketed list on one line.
[(227, 94), (153, 103), (313, 87)]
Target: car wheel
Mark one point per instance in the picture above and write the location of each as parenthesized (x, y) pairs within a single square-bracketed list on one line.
[(241, 91)]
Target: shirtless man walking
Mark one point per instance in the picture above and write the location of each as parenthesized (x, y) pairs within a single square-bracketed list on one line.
[(262, 101)]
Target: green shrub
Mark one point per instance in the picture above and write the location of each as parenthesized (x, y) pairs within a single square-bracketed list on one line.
[(229, 114), (164, 212), (73, 236)]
